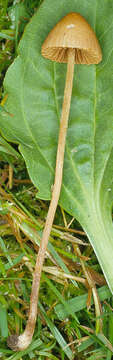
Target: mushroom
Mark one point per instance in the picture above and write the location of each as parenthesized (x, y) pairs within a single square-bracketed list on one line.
[(71, 41)]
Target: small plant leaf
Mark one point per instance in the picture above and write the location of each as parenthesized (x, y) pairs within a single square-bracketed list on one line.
[(3, 321), (35, 93)]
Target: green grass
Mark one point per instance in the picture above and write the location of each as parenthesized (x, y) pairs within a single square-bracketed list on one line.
[(69, 325)]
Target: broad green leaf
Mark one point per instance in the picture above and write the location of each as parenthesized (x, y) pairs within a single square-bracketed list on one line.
[(35, 93)]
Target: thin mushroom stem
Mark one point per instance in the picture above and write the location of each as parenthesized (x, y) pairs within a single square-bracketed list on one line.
[(22, 341)]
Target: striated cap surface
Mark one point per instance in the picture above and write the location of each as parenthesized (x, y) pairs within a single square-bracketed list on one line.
[(72, 31)]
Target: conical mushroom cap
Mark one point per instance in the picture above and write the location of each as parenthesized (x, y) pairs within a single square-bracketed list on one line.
[(72, 31)]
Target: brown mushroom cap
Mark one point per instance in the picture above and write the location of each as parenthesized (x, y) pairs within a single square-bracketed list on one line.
[(72, 31)]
